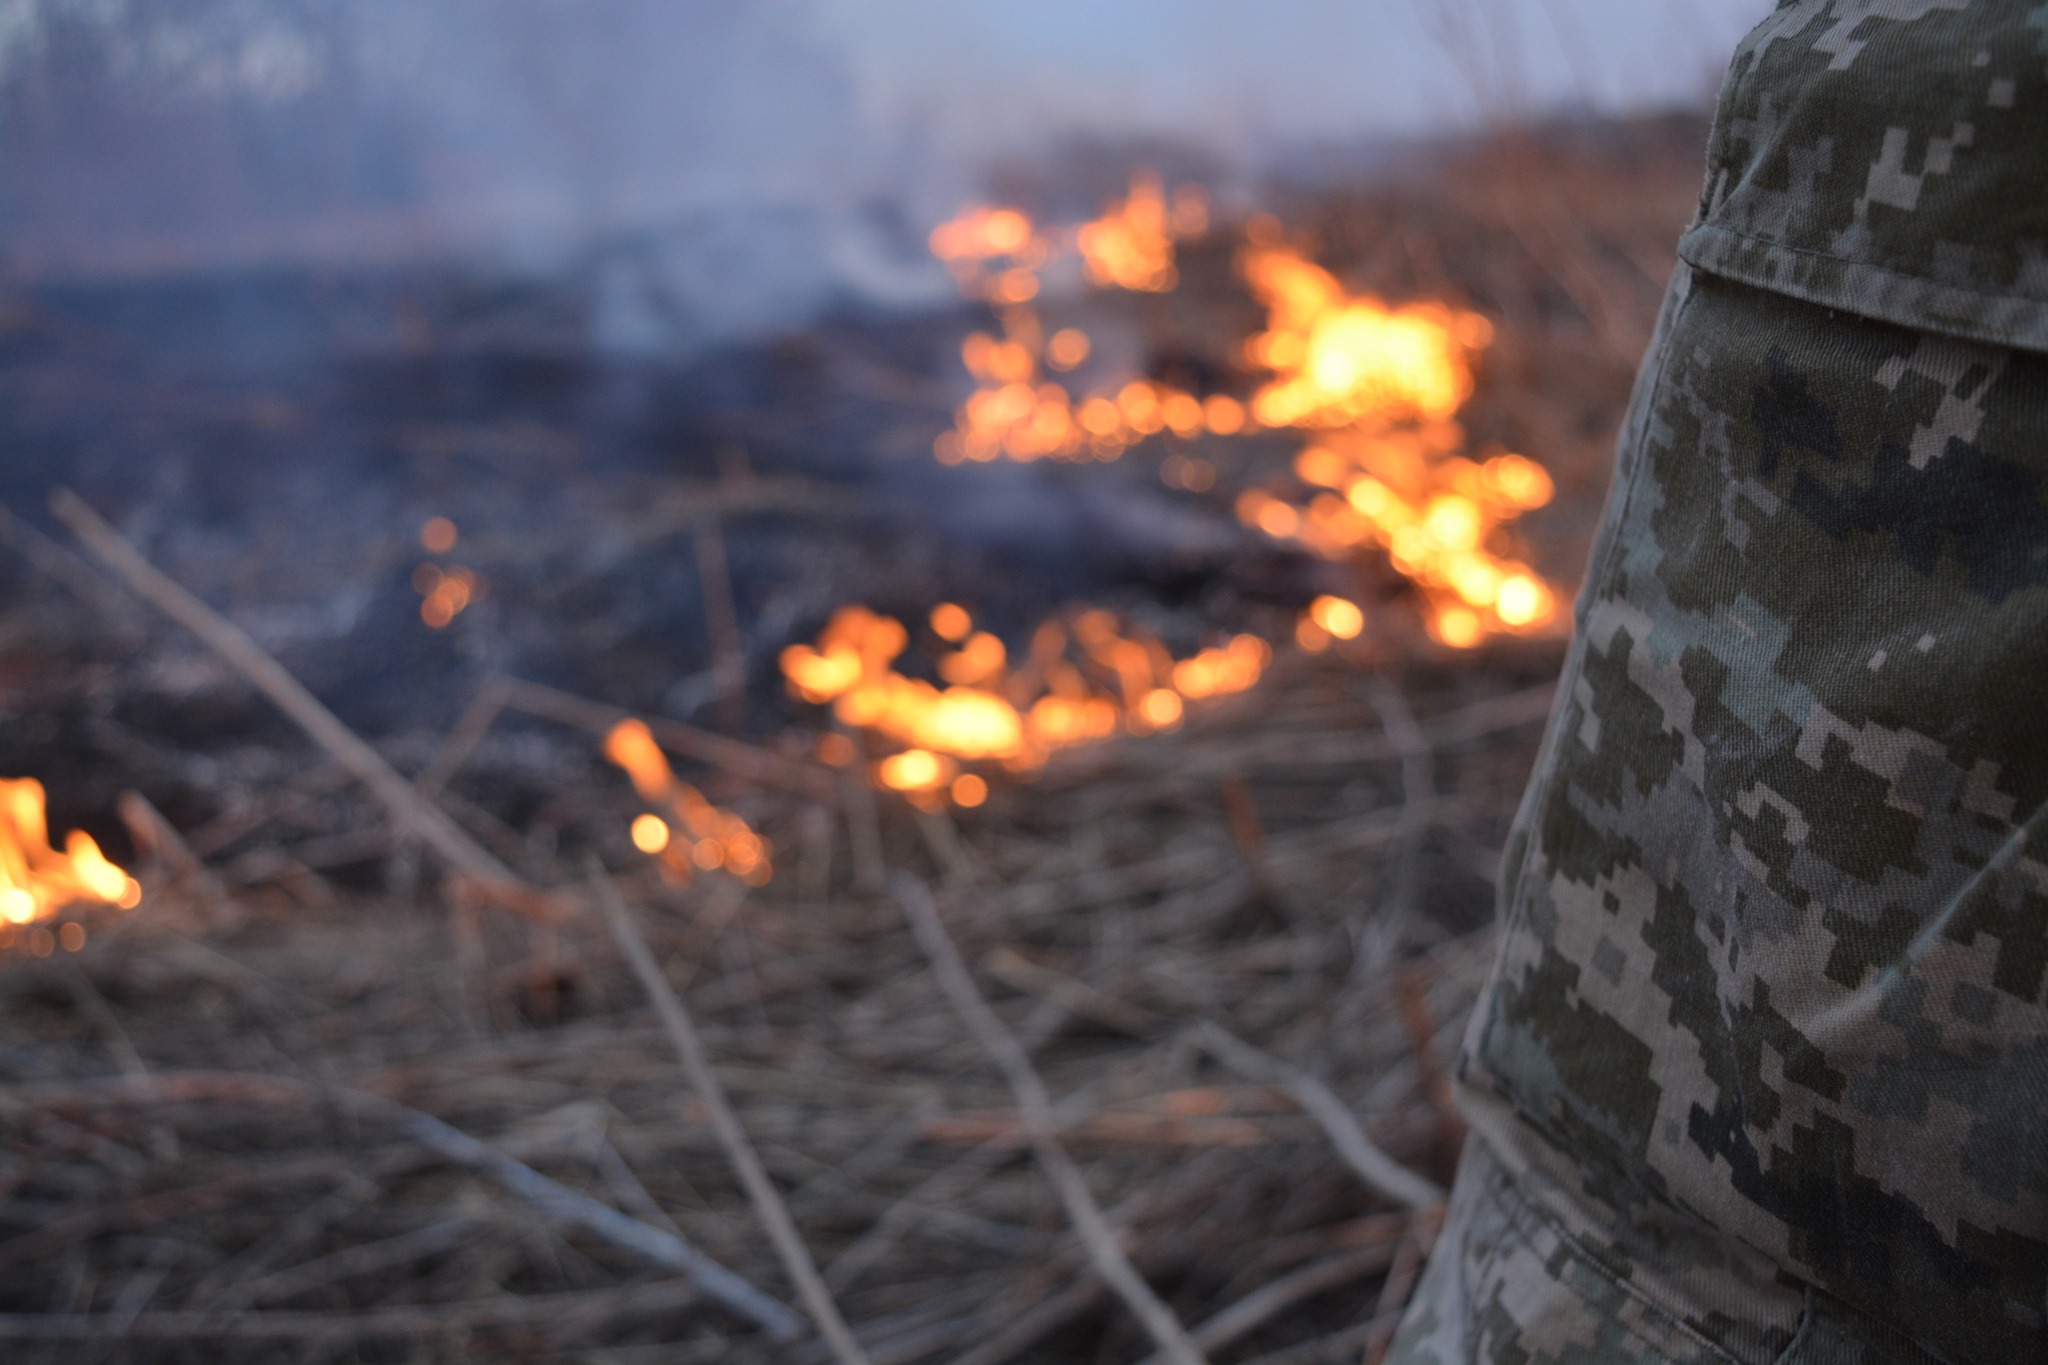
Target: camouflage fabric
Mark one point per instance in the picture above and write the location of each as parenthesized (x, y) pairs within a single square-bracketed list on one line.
[(1885, 157), (1762, 1074)]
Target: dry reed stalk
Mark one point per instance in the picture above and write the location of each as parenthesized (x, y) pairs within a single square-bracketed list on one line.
[(246, 657), (157, 838), (59, 564), (739, 1150), (1418, 791), (737, 757), (470, 731), (340, 1329), (1421, 1025), (1035, 1110), (863, 824), (1373, 1166), (516, 1177), (1400, 1284), (721, 617), (1042, 1319), (1079, 998), (1255, 1309)]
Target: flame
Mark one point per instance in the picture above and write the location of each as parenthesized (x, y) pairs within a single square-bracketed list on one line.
[(1327, 620), (1435, 513), (697, 836), (1131, 245), (37, 881), (1379, 383), (995, 255), (1080, 681), (1341, 360), (1388, 470), (1016, 412), (983, 234)]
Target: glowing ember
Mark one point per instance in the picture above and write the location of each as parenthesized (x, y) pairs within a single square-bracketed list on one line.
[(697, 836), (437, 536), (1327, 620), (445, 593), (1340, 618), (37, 881), (1067, 348), (1079, 681), (650, 833)]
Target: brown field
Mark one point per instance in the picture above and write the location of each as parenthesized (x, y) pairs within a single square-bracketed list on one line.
[(353, 1085)]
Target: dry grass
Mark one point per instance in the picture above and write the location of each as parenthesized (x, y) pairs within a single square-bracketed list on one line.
[(211, 1131), (1108, 913)]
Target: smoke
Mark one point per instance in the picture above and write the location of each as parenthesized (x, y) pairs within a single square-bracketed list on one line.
[(712, 167), (707, 147)]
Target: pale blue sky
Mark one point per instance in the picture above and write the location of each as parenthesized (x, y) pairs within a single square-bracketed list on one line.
[(983, 74), (324, 127)]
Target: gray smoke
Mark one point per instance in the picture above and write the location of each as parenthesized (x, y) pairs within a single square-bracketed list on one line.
[(716, 167)]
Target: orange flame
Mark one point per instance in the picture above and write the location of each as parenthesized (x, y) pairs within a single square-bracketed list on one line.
[(1341, 360), (1388, 472), (697, 836), (1433, 512), (1131, 246), (37, 882), (1080, 681), (1015, 412), (1380, 382)]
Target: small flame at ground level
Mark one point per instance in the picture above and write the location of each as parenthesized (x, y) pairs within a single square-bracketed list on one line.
[(1081, 680), (1131, 245), (1438, 516), (995, 255), (37, 881), (693, 835)]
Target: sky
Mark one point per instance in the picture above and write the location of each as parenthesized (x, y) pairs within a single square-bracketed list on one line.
[(1240, 73)]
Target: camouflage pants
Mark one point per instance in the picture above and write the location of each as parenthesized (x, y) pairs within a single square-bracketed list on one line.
[(1763, 1071)]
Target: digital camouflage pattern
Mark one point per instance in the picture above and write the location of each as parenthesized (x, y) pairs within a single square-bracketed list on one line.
[(1762, 1074), (1886, 157)]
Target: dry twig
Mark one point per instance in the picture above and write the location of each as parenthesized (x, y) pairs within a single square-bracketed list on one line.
[(549, 1196), (768, 1203), (1268, 1301), (1372, 1165), (1035, 1112), (248, 658)]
